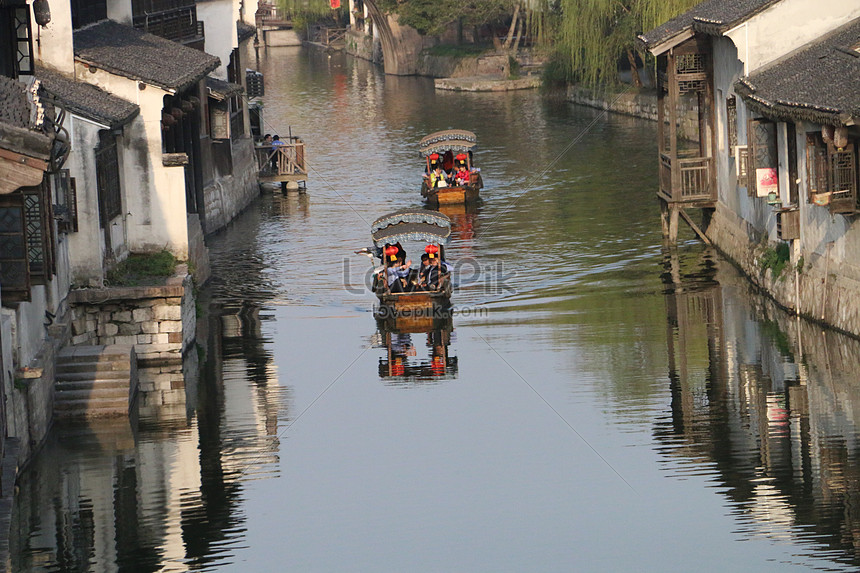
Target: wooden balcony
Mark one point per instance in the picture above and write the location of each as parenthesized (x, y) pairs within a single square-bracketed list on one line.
[(687, 180), (280, 163)]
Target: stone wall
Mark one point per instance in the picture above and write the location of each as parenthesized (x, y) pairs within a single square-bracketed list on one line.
[(642, 104), (228, 196), (159, 321), (819, 290)]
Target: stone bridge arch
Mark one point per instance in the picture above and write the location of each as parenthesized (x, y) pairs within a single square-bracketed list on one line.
[(401, 45)]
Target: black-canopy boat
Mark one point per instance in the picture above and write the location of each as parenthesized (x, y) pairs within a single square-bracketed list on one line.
[(459, 181), (412, 296)]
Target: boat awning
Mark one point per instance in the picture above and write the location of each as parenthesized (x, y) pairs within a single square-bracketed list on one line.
[(411, 216), (411, 225), (456, 140)]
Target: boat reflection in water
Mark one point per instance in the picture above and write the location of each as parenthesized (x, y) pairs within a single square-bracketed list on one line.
[(406, 362)]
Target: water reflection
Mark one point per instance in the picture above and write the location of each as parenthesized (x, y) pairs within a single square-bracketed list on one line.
[(406, 362), (165, 489), (767, 406)]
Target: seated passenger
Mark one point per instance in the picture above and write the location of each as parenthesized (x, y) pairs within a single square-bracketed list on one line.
[(438, 178), (432, 275), (462, 175), (423, 270), (397, 274)]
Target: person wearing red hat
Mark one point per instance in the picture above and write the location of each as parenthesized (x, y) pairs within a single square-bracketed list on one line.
[(396, 271)]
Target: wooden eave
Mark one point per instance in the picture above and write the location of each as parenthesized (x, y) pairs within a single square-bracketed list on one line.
[(669, 43), (19, 170)]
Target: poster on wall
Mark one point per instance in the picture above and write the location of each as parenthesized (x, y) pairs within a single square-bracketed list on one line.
[(766, 181)]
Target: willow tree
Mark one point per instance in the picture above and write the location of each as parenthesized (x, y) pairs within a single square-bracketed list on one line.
[(302, 12), (595, 34)]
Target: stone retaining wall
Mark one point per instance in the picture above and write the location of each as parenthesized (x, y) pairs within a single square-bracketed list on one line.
[(642, 104), (159, 321), (228, 196), (822, 291)]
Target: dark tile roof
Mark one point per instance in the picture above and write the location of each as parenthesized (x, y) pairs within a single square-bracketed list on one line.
[(16, 131), (820, 82), (219, 89), (87, 100), (14, 107), (124, 51), (245, 31), (709, 17)]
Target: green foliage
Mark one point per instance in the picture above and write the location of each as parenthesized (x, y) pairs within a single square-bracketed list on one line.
[(775, 259), (432, 17), (143, 269), (595, 34), (304, 13), (799, 267)]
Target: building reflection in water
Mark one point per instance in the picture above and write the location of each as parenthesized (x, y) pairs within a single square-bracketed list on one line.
[(405, 361), (164, 490), (765, 404)]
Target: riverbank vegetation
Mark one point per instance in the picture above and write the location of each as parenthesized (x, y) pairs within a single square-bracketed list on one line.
[(595, 35)]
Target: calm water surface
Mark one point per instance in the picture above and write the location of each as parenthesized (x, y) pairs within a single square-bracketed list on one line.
[(598, 403)]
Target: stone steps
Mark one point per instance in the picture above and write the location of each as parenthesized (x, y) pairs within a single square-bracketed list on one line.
[(95, 381)]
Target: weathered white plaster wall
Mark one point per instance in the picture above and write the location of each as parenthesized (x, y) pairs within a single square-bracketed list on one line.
[(119, 11), (155, 194), (219, 20), (52, 45), (786, 26), (87, 245)]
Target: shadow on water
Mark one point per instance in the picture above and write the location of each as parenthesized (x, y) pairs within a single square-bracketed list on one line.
[(765, 405)]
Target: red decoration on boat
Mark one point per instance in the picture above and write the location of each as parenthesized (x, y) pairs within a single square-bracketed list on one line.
[(391, 251), (431, 250), (461, 157), (335, 4), (434, 157)]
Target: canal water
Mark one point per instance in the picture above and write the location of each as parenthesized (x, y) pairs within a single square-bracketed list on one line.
[(597, 403)]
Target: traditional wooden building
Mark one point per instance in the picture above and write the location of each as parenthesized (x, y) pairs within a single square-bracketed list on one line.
[(769, 152)]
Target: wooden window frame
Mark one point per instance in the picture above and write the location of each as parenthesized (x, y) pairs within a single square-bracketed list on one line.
[(731, 124)]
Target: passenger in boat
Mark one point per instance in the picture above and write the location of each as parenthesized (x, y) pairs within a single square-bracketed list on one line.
[(397, 271), (423, 270), (432, 162), (462, 175), (438, 178), (431, 281)]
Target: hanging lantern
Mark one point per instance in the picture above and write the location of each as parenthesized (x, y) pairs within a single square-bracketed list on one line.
[(391, 252), (41, 12), (431, 250), (840, 136)]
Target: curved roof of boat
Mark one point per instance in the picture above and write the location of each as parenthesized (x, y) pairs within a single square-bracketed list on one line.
[(457, 140), (411, 225)]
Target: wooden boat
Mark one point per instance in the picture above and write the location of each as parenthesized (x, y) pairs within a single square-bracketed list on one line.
[(450, 149), (389, 231)]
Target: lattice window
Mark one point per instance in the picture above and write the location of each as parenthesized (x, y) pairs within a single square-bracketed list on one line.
[(763, 160), (23, 41), (35, 236), (742, 155), (107, 178), (843, 172), (66, 202), (732, 124), (14, 271), (817, 166), (689, 63)]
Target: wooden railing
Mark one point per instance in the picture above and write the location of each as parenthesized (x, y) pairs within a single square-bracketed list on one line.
[(332, 36), (271, 15), (693, 178), (281, 162)]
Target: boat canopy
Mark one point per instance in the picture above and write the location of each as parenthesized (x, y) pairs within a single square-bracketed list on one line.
[(457, 140), (411, 225)]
